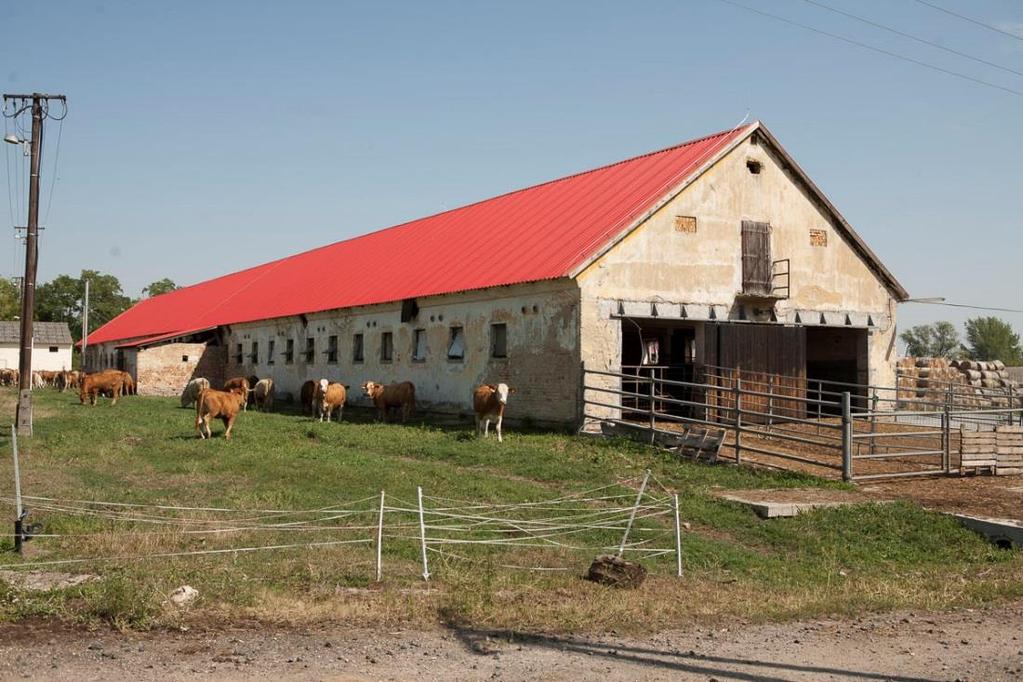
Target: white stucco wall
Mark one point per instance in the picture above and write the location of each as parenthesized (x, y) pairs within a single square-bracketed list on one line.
[(42, 357), (660, 264), (541, 362)]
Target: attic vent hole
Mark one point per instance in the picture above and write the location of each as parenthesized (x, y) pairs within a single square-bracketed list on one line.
[(753, 166)]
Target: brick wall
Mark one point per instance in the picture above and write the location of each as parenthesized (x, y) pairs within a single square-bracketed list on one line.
[(165, 370)]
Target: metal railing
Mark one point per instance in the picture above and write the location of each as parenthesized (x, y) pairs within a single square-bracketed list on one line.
[(809, 424)]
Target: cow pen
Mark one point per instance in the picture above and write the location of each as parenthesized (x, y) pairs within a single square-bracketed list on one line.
[(858, 432)]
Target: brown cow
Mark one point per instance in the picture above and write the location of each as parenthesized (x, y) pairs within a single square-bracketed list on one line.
[(223, 405), (329, 397), (129, 384), (401, 395), (109, 382), (488, 402), (239, 384), (306, 396), (263, 393)]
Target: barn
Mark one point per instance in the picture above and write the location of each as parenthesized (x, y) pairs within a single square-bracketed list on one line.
[(51, 345), (717, 252)]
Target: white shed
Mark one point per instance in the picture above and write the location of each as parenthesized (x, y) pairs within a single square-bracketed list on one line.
[(51, 345)]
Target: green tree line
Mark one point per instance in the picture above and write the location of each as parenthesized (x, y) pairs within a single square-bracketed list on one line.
[(987, 338), (61, 299)]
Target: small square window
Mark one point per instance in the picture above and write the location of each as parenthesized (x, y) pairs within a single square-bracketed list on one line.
[(386, 347), (310, 350), (270, 351), (456, 344), (54, 349), (184, 358), (419, 345), (332, 349), (499, 340), (357, 351), (289, 351)]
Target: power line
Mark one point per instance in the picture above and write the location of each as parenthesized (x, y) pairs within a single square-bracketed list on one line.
[(918, 39), (971, 20), (896, 55), (972, 307), (53, 171)]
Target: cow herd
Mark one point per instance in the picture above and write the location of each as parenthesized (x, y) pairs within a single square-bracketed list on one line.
[(325, 400)]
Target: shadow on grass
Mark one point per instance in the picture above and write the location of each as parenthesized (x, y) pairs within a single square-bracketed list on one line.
[(477, 642)]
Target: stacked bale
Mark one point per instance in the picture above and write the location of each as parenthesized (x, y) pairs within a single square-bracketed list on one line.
[(924, 382)]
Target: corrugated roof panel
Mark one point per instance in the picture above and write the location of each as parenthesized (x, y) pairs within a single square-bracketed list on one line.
[(541, 232)]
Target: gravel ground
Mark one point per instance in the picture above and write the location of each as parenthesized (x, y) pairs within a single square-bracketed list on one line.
[(966, 645)]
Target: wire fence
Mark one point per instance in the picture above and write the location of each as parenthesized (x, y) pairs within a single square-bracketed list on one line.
[(625, 518)]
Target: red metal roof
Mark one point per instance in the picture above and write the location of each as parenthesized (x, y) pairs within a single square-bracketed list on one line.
[(538, 233)]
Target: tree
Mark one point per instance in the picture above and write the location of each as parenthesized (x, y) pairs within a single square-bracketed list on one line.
[(160, 286), (938, 340), (993, 339), (10, 300), (60, 300)]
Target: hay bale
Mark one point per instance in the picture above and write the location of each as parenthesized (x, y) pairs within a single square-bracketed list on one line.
[(924, 362), (607, 569), (924, 372), (999, 365), (991, 383)]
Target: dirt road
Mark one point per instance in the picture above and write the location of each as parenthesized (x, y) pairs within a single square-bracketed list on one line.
[(968, 645)]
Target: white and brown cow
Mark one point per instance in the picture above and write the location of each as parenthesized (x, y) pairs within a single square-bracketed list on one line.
[(263, 394), (489, 401), (330, 397)]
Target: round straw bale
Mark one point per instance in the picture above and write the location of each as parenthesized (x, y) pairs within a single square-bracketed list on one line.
[(924, 362)]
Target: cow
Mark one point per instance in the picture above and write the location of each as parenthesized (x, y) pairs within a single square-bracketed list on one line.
[(9, 377), (192, 390), (37, 380), (253, 380), (401, 395), (108, 382), (488, 402), (306, 396), (129, 384), (330, 396), (213, 404), (263, 394), (239, 384)]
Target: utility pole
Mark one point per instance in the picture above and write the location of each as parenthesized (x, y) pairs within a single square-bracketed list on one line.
[(39, 104), (85, 324)]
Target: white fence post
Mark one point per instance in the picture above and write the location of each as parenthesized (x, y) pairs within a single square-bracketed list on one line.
[(380, 539), (422, 534), (678, 537), (632, 515)]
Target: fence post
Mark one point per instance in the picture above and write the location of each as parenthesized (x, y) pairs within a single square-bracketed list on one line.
[(770, 400), (678, 537), (820, 394), (380, 538), (422, 534), (873, 422), (737, 406), (946, 438), (653, 423), (847, 431), (18, 511), (632, 515)]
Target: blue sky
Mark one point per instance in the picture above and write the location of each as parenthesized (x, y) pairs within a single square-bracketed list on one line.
[(206, 137)]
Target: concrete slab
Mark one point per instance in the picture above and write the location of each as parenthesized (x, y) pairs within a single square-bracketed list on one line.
[(1006, 533), (775, 510)]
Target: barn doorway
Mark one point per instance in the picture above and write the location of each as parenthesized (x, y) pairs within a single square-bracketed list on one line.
[(837, 360), (659, 350)]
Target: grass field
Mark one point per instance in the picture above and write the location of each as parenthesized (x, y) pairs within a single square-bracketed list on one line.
[(145, 451)]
